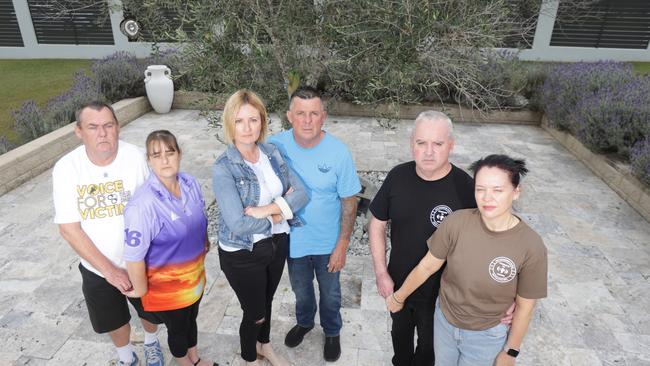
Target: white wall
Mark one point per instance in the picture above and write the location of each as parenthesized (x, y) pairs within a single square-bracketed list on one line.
[(32, 49), (542, 51)]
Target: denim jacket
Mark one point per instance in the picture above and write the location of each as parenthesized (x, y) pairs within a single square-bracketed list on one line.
[(236, 187)]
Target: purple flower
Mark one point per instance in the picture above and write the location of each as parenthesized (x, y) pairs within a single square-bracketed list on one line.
[(640, 160), (29, 122), (5, 145), (567, 84)]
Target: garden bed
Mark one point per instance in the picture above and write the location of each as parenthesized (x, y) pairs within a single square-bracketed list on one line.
[(198, 100)]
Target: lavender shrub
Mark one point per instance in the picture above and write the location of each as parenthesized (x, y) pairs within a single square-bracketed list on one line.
[(119, 76), (568, 84), (60, 109), (5, 145), (614, 118), (640, 160), (29, 121)]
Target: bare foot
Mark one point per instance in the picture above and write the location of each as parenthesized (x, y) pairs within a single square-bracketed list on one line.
[(267, 351)]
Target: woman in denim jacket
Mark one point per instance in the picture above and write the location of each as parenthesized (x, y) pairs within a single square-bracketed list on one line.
[(258, 195)]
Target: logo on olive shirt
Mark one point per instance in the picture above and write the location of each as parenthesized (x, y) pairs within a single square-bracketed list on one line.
[(439, 213), (502, 269)]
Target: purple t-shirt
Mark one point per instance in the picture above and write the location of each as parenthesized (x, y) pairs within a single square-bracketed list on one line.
[(168, 233)]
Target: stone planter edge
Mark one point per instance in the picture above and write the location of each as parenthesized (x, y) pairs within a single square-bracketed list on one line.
[(628, 187), (198, 100), (33, 158)]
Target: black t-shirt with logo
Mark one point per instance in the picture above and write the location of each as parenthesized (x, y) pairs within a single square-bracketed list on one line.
[(415, 208)]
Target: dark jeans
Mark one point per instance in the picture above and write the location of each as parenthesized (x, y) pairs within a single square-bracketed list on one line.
[(414, 315), (301, 274), (254, 276)]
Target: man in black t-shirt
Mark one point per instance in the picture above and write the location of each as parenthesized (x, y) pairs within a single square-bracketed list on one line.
[(416, 196)]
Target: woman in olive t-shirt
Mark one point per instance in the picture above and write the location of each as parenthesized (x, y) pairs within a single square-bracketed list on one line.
[(492, 258)]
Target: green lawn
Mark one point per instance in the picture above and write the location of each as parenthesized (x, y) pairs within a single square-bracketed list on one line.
[(40, 80), (641, 67)]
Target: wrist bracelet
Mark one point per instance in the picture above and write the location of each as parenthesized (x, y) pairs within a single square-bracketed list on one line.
[(395, 299)]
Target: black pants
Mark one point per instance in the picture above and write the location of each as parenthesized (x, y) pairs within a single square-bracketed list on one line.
[(254, 276), (180, 323), (414, 315)]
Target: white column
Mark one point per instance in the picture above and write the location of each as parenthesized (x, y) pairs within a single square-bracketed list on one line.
[(24, 18), (545, 24)]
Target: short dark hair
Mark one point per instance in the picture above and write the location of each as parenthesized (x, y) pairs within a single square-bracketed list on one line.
[(306, 92), (516, 168), (164, 136), (97, 105)]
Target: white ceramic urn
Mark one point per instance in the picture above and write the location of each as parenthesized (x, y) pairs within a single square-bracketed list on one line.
[(160, 87)]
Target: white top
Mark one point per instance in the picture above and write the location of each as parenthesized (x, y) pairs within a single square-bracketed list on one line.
[(95, 196), (270, 188)]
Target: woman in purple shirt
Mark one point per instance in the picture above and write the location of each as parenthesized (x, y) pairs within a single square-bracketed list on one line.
[(165, 246)]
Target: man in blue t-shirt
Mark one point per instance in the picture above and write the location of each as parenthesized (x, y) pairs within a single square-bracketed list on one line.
[(319, 247)]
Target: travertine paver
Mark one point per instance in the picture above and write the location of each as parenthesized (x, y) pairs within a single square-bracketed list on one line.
[(597, 312)]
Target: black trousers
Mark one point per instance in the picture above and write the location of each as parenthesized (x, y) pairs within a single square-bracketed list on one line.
[(181, 325), (254, 276), (414, 316)]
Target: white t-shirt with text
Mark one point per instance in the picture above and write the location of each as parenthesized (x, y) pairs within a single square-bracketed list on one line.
[(96, 195)]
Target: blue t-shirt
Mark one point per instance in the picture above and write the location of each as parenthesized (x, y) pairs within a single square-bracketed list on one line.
[(329, 174)]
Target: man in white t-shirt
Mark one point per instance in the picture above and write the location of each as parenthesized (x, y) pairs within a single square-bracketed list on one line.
[(91, 186)]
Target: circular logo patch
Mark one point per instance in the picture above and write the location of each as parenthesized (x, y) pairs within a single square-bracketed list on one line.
[(502, 269), (439, 213)]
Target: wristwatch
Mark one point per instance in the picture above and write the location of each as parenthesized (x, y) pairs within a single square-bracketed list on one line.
[(512, 352)]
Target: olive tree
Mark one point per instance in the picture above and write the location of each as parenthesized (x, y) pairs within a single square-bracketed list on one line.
[(364, 51)]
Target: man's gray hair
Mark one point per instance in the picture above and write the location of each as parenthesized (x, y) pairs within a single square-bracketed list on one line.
[(434, 116)]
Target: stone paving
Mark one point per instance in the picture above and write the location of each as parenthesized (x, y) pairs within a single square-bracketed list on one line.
[(597, 312)]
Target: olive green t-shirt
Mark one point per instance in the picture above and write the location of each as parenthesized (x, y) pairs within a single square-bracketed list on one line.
[(486, 269)]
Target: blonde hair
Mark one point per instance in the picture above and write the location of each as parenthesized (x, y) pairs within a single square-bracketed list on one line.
[(235, 102)]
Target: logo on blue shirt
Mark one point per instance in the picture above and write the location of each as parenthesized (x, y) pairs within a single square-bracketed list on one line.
[(324, 168)]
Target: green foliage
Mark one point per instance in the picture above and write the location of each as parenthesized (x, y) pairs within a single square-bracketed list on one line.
[(38, 80), (361, 51), (119, 76), (111, 79), (31, 121), (641, 67)]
